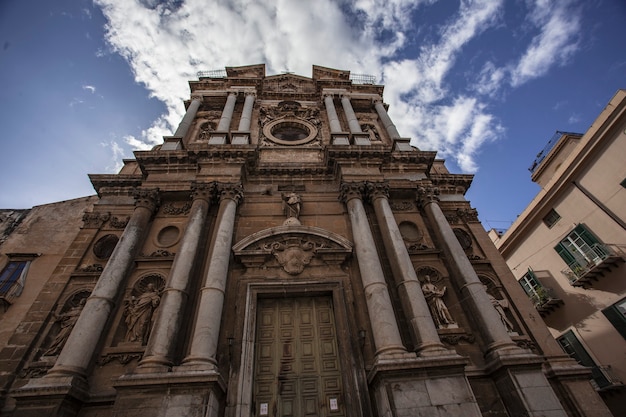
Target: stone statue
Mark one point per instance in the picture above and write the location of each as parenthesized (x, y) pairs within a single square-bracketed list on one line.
[(438, 309), (139, 311), (292, 204), (500, 306), (67, 321)]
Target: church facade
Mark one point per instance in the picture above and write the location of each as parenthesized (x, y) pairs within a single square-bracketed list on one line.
[(285, 253)]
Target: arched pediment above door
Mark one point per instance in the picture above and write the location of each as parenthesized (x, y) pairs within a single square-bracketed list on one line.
[(293, 247)]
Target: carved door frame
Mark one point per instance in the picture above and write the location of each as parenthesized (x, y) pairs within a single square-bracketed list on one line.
[(354, 396)]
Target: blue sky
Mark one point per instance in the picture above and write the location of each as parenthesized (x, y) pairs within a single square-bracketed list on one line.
[(485, 83)]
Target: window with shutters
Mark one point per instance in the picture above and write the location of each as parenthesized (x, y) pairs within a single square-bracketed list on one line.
[(616, 314), (12, 280), (582, 252), (574, 348)]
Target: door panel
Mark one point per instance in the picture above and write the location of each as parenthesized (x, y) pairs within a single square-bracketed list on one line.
[(297, 369)]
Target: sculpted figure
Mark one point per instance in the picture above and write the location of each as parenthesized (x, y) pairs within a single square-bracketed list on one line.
[(67, 321), (139, 314), (500, 306), (438, 309), (292, 204)]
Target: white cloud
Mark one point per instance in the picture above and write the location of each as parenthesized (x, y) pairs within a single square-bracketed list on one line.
[(166, 43), (117, 155), (554, 45), (89, 88)]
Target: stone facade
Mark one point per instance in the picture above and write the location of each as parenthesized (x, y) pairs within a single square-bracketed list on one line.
[(576, 281), (287, 252)]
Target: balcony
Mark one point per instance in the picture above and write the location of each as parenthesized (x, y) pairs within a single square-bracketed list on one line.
[(545, 300), (593, 263), (603, 379)]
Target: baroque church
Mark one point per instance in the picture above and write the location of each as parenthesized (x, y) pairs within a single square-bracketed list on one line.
[(286, 252)]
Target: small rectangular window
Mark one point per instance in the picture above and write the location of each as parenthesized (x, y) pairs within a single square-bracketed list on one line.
[(551, 218), (616, 314), (12, 279)]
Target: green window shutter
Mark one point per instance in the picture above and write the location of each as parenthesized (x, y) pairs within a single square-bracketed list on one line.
[(564, 254), (586, 235), (616, 318)]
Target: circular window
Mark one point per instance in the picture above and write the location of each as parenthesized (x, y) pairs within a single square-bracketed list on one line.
[(290, 131), (168, 236), (410, 232), (103, 248)]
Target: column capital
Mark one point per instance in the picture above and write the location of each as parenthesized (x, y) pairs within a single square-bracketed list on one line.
[(249, 93), (427, 194), (230, 191), (203, 190), (350, 190), (376, 190), (147, 198), (197, 97)]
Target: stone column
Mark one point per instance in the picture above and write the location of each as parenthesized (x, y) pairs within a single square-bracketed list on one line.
[(227, 113), (79, 349), (164, 334), (353, 123), (423, 328), (206, 331), (246, 115), (383, 321), (472, 291), (192, 110), (387, 123), (333, 119)]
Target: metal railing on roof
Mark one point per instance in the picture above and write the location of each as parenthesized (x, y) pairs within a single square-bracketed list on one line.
[(220, 73), (546, 150), (363, 79)]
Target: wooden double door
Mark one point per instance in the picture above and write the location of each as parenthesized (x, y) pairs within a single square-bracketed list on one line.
[(297, 369)]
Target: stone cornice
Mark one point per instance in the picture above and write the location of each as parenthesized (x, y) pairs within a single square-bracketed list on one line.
[(449, 183), (114, 181)]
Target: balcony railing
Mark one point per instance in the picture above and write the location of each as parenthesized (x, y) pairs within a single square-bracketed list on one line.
[(545, 300), (593, 263), (604, 379)]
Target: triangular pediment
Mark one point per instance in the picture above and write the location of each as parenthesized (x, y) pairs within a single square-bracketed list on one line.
[(247, 71)]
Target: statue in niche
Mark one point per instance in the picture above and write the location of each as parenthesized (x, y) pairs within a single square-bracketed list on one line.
[(438, 309), (67, 321), (139, 313), (500, 306), (292, 203)]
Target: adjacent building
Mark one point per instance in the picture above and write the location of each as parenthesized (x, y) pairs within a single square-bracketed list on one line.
[(568, 248), (286, 252)]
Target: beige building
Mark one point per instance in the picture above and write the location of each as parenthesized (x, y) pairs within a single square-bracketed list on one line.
[(285, 253), (568, 248)]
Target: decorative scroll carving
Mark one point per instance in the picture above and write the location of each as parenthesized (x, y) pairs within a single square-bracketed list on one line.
[(159, 253), (90, 268), (526, 344), (402, 205), (35, 371), (94, 220), (119, 223), (174, 210), (293, 254), (455, 339), (122, 358), (467, 214)]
